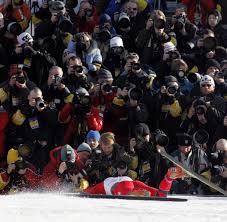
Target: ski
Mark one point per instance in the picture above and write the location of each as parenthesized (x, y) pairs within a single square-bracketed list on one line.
[(125, 197), (191, 173)]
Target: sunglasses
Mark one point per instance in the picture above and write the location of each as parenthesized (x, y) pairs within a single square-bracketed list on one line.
[(208, 85)]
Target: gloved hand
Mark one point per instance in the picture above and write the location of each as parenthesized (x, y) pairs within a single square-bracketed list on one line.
[(175, 172)]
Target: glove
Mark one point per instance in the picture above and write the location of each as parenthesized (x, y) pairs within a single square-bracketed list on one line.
[(175, 172)]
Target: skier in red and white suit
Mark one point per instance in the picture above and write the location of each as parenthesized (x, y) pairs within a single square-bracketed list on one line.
[(124, 185)]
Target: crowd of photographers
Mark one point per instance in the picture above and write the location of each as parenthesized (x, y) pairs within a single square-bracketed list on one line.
[(92, 92)]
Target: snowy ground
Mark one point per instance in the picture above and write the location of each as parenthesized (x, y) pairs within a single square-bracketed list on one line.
[(58, 208)]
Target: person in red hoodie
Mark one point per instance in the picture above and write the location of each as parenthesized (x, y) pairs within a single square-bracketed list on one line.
[(64, 163), (87, 17), (197, 10), (124, 185), (80, 116)]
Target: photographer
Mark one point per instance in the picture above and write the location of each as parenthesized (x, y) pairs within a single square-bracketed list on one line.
[(86, 48), (133, 73), (17, 10), (80, 116), (151, 166), (76, 74), (87, 17), (190, 153), (19, 176), (150, 39), (64, 165), (31, 118), (37, 64), (167, 107)]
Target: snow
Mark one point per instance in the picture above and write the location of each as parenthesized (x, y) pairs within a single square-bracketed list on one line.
[(56, 208)]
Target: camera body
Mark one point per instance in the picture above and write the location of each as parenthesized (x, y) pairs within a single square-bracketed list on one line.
[(57, 80), (180, 21), (108, 89), (40, 103), (124, 20), (20, 79)]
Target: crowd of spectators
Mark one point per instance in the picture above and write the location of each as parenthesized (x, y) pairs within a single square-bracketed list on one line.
[(91, 89)]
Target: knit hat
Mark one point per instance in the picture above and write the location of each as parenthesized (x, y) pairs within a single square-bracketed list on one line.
[(170, 79), (93, 134), (82, 91), (105, 74), (207, 80), (67, 55), (24, 37), (84, 147), (212, 63), (68, 154), (142, 129), (169, 46), (104, 18)]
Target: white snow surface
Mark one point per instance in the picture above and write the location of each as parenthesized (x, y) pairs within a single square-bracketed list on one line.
[(59, 208)]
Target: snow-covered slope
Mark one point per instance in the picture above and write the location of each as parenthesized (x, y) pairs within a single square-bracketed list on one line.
[(58, 208)]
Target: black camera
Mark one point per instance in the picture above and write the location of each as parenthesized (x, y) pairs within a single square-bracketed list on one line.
[(88, 13), (40, 103), (221, 74), (209, 44), (79, 69), (174, 55), (180, 21), (136, 66), (194, 77), (135, 94), (83, 100), (200, 137), (172, 90), (96, 159), (218, 169), (20, 165), (104, 34), (108, 89), (64, 24), (57, 80), (124, 20), (20, 79), (159, 23), (161, 138), (200, 110)]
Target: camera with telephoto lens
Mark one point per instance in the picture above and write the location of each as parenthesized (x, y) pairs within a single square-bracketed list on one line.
[(20, 165), (194, 77), (172, 89), (161, 138), (180, 21), (40, 103), (218, 169), (200, 106), (104, 34), (83, 100), (136, 66), (123, 20), (57, 80), (200, 137), (20, 79), (96, 158), (108, 89)]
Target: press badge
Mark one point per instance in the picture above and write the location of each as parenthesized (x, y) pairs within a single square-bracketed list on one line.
[(33, 122), (146, 167), (15, 101)]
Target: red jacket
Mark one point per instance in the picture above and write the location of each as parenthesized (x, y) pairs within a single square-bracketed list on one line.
[(206, 7), (84, 26), (3, 123), (50, 179), (94, 121)]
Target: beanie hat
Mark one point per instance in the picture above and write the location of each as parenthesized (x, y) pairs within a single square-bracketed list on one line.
[(104, 18), (84, 147), (116, 42), (169, 46), (170, 79), (67, 54), (142, 129), (207, 80), (105, 74), (82, 91), (68, 154), (93, 134), (212, 63), (24, 37)]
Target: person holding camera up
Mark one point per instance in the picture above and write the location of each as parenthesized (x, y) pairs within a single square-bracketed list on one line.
[(190, 152), (86, 18), (150, 39), (151, 167), (17, 10), (32, 119), (85, 47)]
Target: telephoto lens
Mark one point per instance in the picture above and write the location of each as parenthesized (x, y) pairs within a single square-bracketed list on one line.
[(40, 103)]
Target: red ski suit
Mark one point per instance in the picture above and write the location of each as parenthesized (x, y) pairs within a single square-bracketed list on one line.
[(123, 185), (50, 179)]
